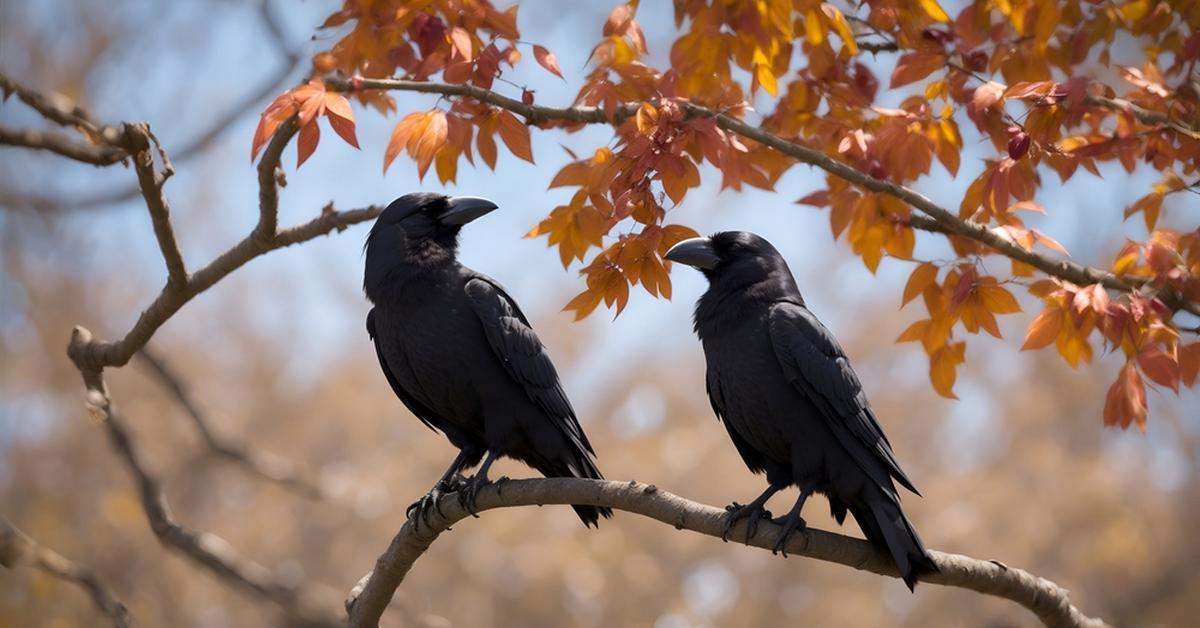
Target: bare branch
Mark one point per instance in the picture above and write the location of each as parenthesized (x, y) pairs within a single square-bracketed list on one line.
[(60, 110), (1145, 116), (138, 140), (204, 549), (17, 548), (293, 56), (99, 155), (370, 596), (261, 463), (1063, 269)]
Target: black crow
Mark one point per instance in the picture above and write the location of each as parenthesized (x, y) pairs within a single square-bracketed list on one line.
[(461, 356), (794, 408)]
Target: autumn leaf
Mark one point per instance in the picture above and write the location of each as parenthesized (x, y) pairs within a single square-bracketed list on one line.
[(1043, 330), (922, 277), (546, 59), (515, 135), (915, 66)]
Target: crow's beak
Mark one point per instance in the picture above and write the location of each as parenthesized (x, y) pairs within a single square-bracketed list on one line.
[(695, 252), (464, 209)]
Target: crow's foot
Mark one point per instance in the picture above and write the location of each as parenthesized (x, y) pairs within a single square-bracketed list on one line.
[(469, 492), (420, 510), (753, 512), (791, 522)]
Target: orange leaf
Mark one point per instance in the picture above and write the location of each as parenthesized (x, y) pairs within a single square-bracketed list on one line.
[(583, 303), (486, 143), (430, 141), (400, 136), (515, 136), (921, 278), (1043, 330), (307, 143), (914, 332), (943, 367), (546, 59), (461, 40), (997, 299)]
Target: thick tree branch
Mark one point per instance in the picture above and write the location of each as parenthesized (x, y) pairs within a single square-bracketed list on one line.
[(1063, 269), (207, 550), (99, 155), (371, 595), (261, 463), (16, 548)]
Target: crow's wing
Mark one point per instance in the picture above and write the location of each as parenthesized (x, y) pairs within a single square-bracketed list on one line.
[(519, 349), (815, 364), (751, 456), (420, 410)]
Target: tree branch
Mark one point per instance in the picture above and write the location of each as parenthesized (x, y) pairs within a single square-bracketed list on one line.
[(17, 548), (207, 550), (99, 155), (1061, 268), (261, 463), (138, 141), (371, 595)]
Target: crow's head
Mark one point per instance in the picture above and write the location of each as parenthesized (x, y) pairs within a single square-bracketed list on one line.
[(738, 261), (428, 216), (415, 233)]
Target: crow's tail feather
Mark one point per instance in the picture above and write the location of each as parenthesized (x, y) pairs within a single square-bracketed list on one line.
[(884, 524), (581, 467)]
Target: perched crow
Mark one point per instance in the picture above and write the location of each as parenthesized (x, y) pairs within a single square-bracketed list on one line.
[(461, 356), (794, 408)]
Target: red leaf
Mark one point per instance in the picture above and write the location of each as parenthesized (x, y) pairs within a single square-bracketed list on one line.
[(1160, 367), (307, 143), (546, 59), (344, 128)]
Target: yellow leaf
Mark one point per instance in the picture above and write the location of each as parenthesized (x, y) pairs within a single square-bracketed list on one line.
[(934, 10), (814, 31), (841, 26), (766, 78)]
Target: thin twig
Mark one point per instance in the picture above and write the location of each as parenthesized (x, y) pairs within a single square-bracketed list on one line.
[(203, 548), (17, 548), (369, 598), (293, 56), (138, 142), (95, 154), (261, 463)]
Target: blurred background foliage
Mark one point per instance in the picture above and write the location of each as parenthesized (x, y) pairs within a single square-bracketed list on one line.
[(1019, 470)]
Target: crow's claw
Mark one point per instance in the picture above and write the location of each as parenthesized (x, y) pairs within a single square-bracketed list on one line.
[(791, 524), (736, 512), (469, 492), (420, 510)]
